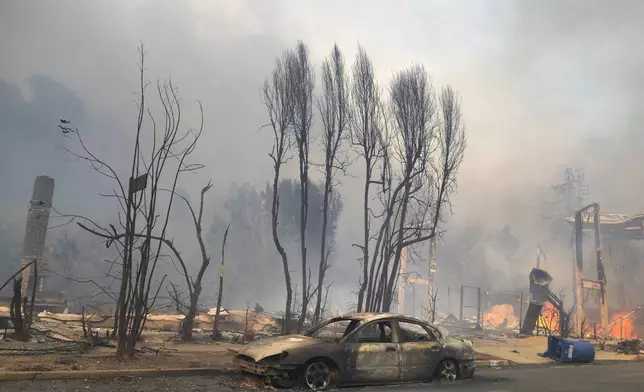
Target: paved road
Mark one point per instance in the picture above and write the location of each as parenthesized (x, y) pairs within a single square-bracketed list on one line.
[(588, 378)]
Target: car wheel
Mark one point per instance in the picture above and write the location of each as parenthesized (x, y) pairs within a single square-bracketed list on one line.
[(317, 375), (447, 371)]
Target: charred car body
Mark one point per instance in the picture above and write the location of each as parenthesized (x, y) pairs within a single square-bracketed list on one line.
[(360, 348)]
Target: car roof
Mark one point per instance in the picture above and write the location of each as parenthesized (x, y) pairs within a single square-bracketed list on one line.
[(372, 316)]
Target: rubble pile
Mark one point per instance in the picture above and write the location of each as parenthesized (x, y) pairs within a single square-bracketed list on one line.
[(69, 326), (630, 347)]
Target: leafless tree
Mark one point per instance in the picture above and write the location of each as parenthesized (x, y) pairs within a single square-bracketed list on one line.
[(424, 152), (302, 81), (215, 323), (327, 287), (194, 285), (19, 272), (142, 224), (366, 126), (431, 309), (176, 298), (334, 110), (18, 306), (277, 97)]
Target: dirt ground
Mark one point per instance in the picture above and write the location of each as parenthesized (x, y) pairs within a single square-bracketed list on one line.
[(525, 351), (126, 384), (170, 356), (154, 353)]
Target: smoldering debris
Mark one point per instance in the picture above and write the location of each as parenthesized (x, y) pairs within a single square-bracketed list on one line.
[(236, 325)]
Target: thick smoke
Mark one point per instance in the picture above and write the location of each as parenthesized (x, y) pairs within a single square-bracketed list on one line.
[(545, 86)]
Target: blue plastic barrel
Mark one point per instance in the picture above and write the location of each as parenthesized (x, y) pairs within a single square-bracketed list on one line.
[(569, 350)]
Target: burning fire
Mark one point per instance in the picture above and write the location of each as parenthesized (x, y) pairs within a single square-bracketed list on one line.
[(549, 318), (500, 316), (622, 326)]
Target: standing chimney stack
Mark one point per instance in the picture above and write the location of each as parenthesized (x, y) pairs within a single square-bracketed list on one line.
[(36, 233)]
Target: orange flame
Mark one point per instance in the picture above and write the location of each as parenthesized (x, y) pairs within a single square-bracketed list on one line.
[(623, 326), (500, 316), (549, 318)]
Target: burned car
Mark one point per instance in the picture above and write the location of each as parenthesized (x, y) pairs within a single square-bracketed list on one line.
[(360, 348)]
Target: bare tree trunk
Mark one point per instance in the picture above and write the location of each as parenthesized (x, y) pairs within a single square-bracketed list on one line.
[(278, 99), (215, 324), (20, 331), (138, 201), (429, 154), (364, 286), (334, 110), (302, 81), (366, 123), (188, 321), (195, 286)]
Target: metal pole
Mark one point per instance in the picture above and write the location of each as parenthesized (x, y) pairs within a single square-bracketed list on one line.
[(521, 312), (579, 269), (478, 307), (461, 311), (601, 275)]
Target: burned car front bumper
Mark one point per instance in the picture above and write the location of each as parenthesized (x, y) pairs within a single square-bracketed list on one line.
[(248, 365), (467, 368)]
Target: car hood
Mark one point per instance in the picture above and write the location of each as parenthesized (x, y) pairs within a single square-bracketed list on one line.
[(272, 346)]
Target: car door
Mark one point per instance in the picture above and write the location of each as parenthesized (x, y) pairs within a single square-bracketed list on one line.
[(373, 354), (420, 350)]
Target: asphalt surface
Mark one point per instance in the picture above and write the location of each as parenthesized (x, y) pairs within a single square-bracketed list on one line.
[(586, 378)]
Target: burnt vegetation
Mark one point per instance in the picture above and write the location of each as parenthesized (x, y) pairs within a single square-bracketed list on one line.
[(403, 144), (410, 145)]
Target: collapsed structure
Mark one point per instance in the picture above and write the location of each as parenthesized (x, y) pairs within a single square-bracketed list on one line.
[(608, 227)]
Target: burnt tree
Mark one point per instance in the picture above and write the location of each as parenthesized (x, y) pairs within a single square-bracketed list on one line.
[(215, 323), (277, 97), (334, 111), (424, 151), (367, 123), (194, 285), (302, 81), (160, 154)]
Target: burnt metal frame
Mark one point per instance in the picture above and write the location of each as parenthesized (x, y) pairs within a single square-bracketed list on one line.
[(581, 283), (478, 303)]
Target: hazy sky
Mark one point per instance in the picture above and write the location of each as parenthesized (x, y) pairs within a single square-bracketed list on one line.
[(537, 79)]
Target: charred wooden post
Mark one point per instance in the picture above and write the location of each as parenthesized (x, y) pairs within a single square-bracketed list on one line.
[(601, 274), (581, 283), (579, 269)]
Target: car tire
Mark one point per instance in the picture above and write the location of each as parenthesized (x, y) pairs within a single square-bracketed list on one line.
[(317, 375), (447, 371)]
